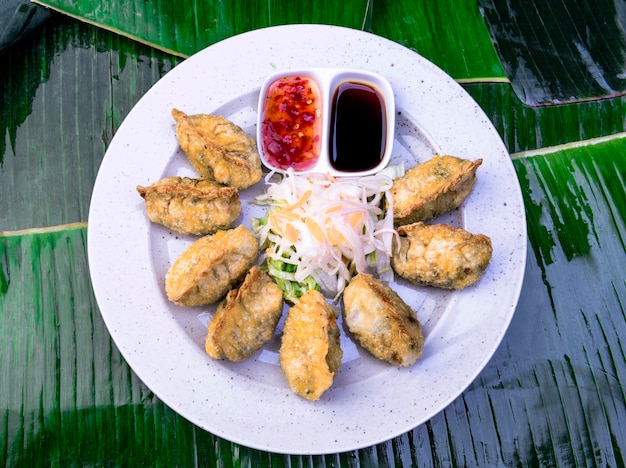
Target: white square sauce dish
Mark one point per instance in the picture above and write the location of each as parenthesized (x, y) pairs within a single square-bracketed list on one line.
[(326, 120)]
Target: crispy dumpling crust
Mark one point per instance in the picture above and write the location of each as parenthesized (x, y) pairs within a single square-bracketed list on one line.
[(310, 352), (218, 149), (211, 266), (381, 321), (245, 320), (432, 188), (191, 206), (441, 255)]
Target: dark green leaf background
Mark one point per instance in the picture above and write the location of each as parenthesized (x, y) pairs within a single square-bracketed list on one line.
[(552, 395), (561, 50)]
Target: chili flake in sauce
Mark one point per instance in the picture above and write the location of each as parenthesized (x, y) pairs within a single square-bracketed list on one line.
[(291, 123)]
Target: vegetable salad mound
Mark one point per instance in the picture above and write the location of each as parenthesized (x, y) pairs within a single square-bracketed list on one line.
[(320, 231)]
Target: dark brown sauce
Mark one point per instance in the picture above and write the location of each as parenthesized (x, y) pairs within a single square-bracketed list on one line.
[(357, 127)]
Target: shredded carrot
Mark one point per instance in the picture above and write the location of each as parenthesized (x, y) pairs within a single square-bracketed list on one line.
[(328, 228), (315, 229), (291, 233), (303, 199)]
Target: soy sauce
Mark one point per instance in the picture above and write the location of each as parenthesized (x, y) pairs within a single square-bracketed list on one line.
[(357, 130)]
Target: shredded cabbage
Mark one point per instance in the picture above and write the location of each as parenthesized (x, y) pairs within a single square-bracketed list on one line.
[(320, 231)]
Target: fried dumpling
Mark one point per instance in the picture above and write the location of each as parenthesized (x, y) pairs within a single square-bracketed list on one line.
[(432, 188), (441, 255), (191, 206), (381, 321), (310, 352), (211, 266), (245, 320), (218, 149)]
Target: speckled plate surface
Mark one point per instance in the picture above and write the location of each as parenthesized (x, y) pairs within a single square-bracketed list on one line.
[(250, 403)]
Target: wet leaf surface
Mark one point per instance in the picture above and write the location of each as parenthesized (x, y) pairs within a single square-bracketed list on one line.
[(562, 50)]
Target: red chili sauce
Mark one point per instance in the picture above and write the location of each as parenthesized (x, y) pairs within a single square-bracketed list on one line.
[(291, 123)]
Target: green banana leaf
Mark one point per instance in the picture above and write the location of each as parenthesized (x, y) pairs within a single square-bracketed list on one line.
[(462, 48), (561, 50), (553, 394), (459, 44), (80, 110), (185, 29)]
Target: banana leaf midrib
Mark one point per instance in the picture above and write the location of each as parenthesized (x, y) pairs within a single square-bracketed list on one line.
[(113, 29)]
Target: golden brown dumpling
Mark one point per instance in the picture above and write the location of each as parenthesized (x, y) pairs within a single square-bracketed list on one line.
[(246, 319), (218, 149), (211, 266), (310, 352), (381, 321), (432, 188), (191, 206), (441, 255)]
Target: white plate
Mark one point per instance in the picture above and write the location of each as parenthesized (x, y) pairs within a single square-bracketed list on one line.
[(250, 403)]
